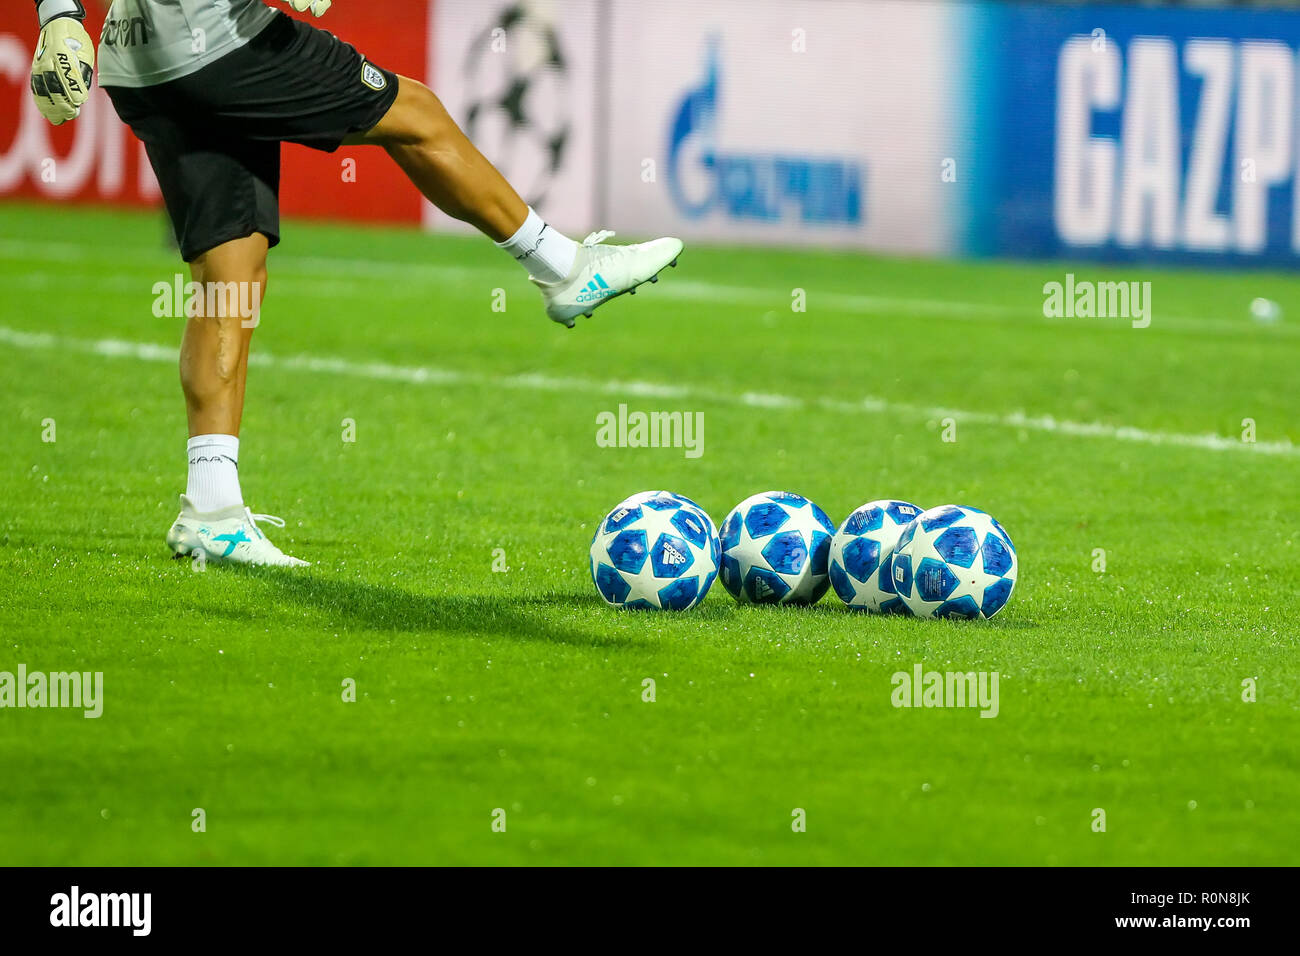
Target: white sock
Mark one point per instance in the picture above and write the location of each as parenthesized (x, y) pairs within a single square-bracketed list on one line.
[(544, 251), (214, 472)]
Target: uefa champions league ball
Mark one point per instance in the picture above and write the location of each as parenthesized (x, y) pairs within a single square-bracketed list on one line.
[(861, 566), (954, 561), (655, 550), (775, 548)]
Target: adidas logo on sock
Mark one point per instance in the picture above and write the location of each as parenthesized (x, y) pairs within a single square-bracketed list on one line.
[(595, 290)]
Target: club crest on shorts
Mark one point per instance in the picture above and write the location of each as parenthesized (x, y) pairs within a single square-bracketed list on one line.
[(373, 77)]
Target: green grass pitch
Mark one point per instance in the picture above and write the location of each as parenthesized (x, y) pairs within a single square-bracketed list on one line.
[(480, 690)]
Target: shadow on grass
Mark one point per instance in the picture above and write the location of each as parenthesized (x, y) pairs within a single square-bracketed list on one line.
[(554, 618), (384, 608)]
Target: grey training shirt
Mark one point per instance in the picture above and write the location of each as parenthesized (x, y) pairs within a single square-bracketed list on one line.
[(146, 42)]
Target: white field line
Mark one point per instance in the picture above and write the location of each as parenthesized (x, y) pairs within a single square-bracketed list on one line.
[(537, 381), (405, 279)]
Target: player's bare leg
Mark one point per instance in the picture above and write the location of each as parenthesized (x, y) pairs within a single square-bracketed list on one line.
[(214, 374), (449, 170), (444, 165), (214, 350)]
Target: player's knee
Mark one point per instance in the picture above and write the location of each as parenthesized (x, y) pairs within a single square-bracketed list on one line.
[(425, 120), (231, 290)]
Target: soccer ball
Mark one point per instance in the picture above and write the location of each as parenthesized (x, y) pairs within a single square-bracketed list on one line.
[(774, 550), (861, 568), (954, 561), (655, 550)]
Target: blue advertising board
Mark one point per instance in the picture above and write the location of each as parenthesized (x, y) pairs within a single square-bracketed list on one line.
[(1126, 133)]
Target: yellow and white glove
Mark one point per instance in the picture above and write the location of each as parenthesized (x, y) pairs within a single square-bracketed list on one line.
[(63, 68), (317, 7)]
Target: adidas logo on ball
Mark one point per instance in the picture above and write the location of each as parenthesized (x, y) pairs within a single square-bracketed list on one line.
[(638, 561)]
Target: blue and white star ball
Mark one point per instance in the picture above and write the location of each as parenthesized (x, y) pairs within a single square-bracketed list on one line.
[(862, 552), (954, 561), (775, 548), (655, 551)]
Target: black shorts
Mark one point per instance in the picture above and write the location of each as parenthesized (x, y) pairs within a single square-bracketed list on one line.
[(214, 137)]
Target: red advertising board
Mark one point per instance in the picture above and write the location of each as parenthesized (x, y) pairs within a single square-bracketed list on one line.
[(97, 159)]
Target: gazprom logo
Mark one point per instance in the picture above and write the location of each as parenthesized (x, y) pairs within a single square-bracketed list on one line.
[(704, 178)]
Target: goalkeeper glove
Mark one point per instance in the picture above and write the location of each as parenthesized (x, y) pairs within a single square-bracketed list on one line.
[(63, 68), (317, 7)]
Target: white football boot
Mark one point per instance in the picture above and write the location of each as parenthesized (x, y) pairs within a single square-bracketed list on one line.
[(601, 273), (230, 535)]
